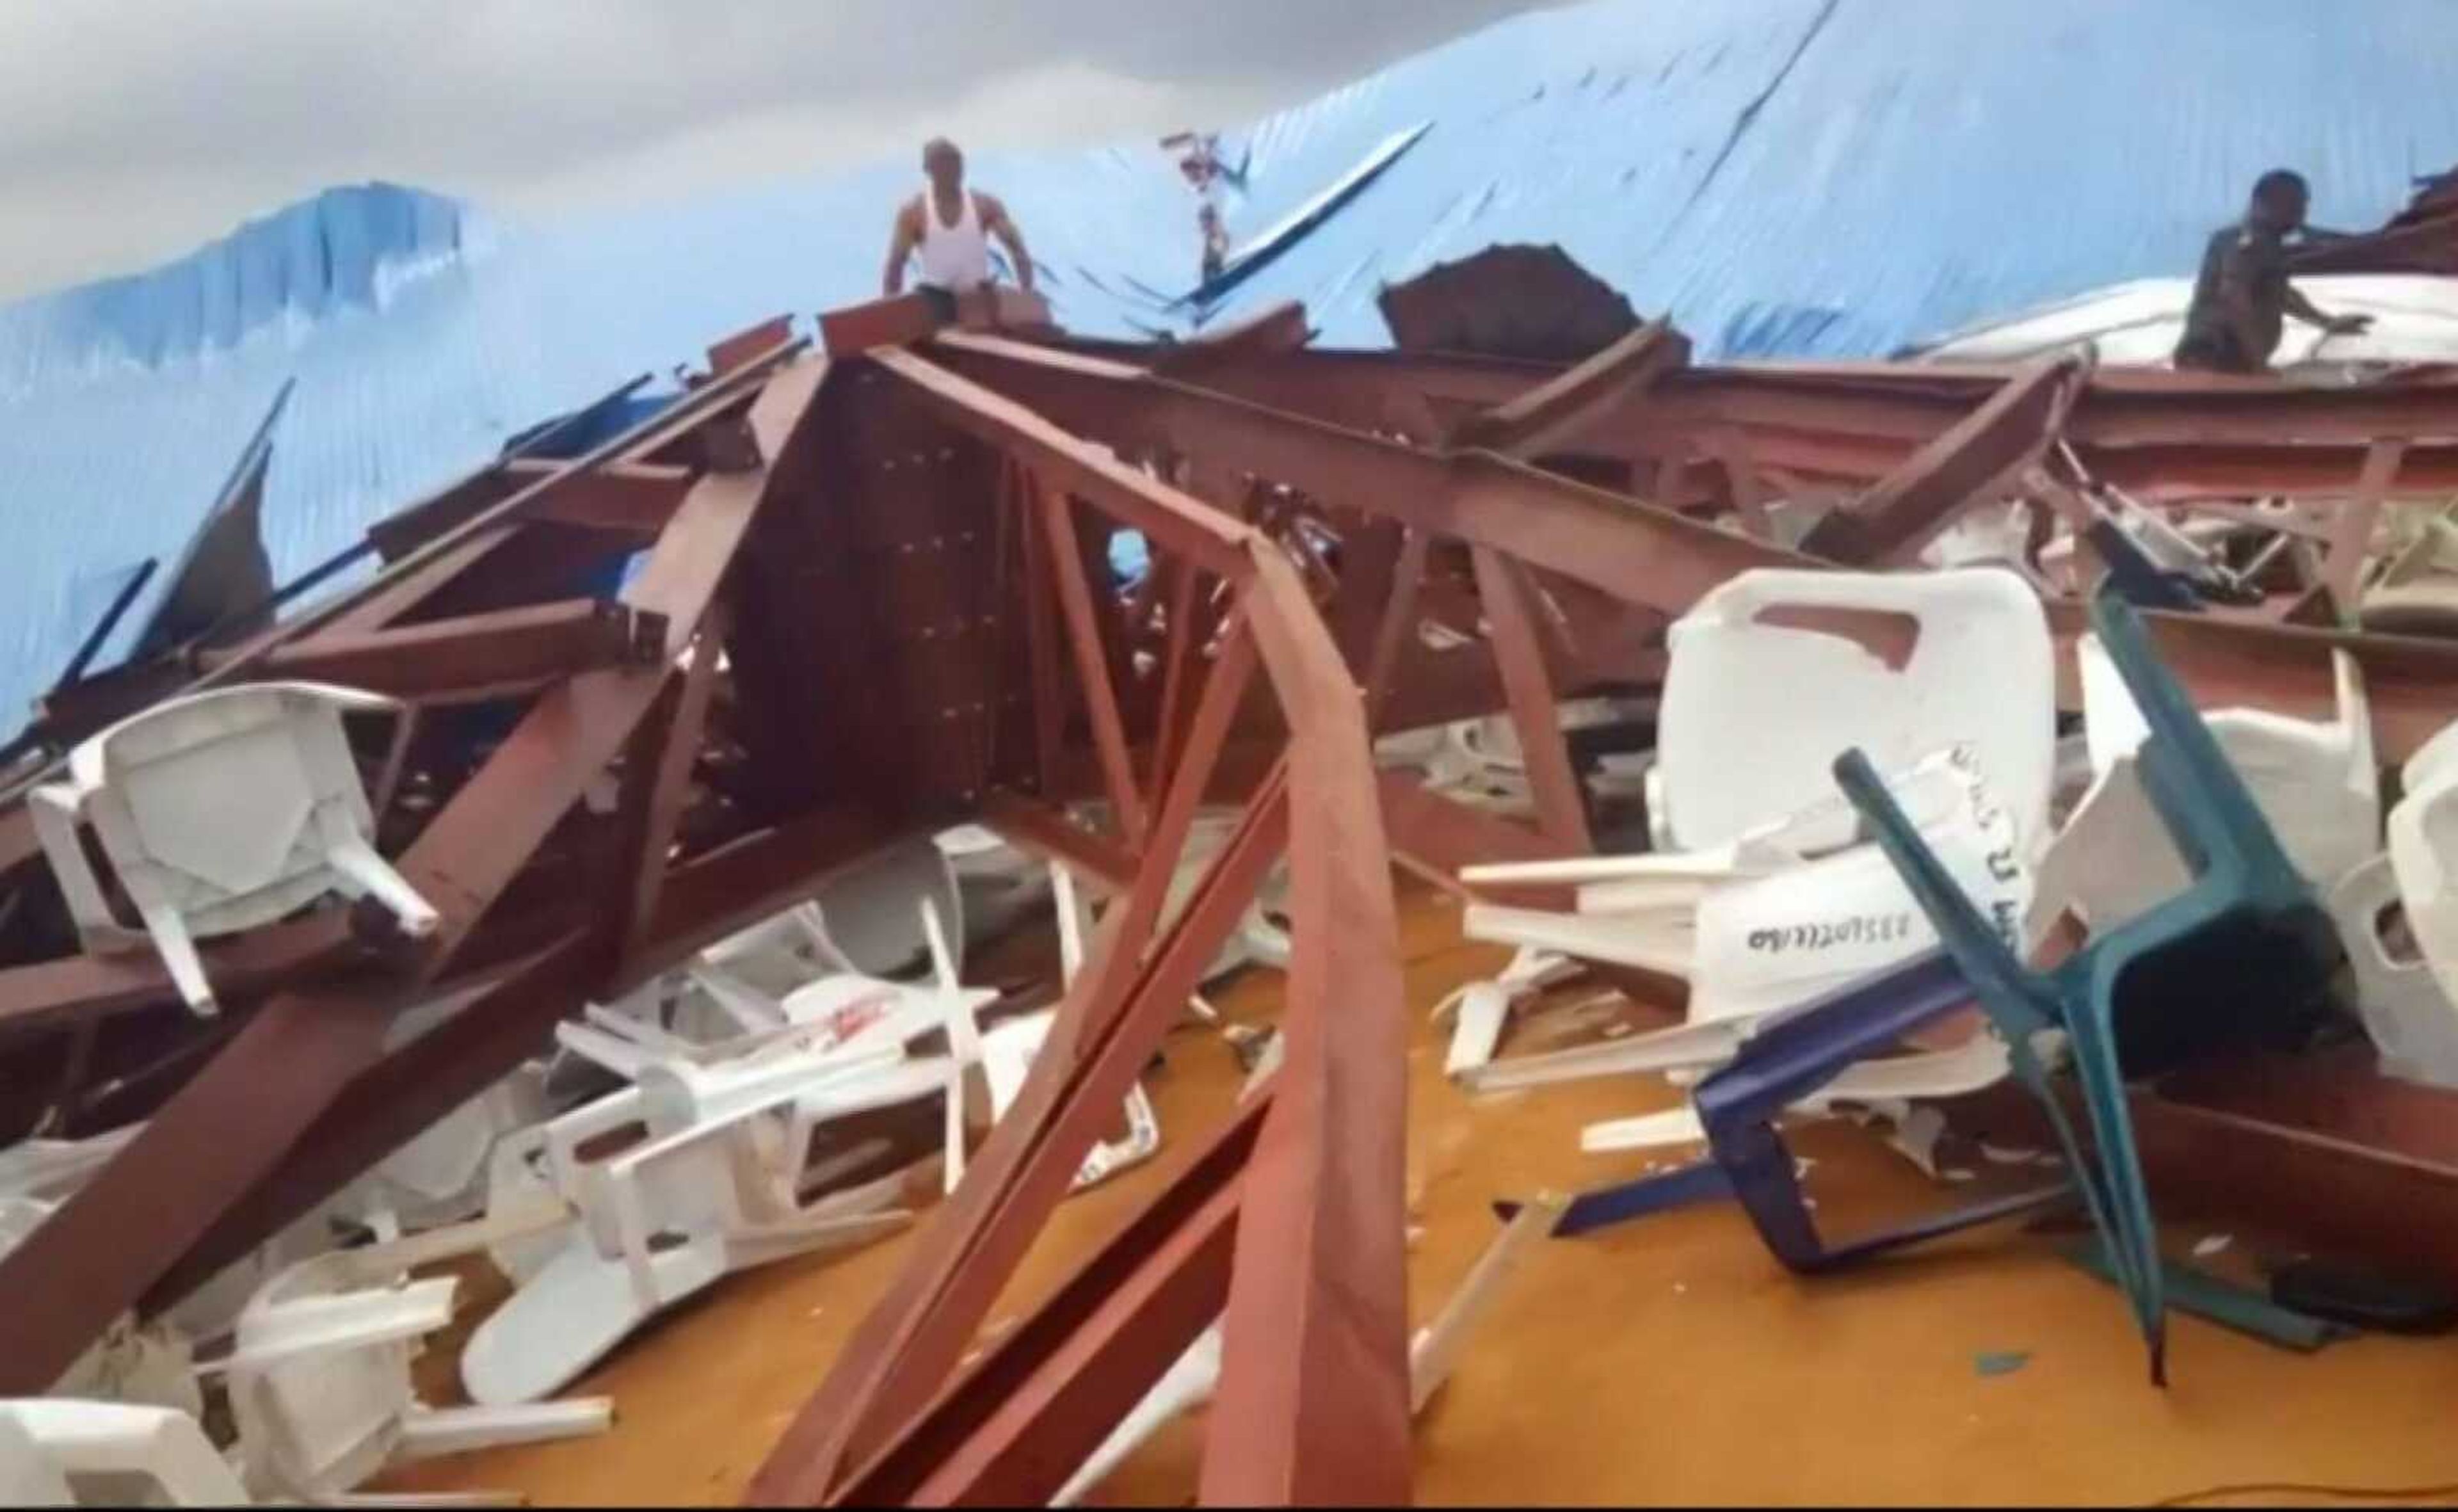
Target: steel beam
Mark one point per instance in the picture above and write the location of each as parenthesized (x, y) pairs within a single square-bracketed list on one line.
[(1563, 408), (471, 653), (1888, 525)]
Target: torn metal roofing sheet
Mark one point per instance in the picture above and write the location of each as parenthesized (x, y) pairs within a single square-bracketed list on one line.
[(1783, 178), (2415, 319)]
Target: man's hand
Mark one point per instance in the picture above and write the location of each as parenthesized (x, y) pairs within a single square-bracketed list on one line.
[(2348, 324)]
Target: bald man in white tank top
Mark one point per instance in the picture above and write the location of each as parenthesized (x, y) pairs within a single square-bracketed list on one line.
[(950, 228)]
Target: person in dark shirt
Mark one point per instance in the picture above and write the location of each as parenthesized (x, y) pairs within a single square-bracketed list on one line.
[(2242, 292)]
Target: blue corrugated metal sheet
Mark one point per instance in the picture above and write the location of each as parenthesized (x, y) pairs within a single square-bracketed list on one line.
[(1829, 178)]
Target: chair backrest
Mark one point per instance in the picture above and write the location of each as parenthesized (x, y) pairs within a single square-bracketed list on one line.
[(57, 1452), (326, 1418), (2202, 801), (1770, 664), (218, 796)]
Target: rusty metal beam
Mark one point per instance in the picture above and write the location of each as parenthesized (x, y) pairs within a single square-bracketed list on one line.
[(897, 1359), (221, 1133), (84, 989), (1012, 1428), (1035, 826), (1907, 509), (1639, 554), (511, 647), (633, 498), (487, 833), (1562, 408), (1510, 612), (1093, 672), (1313, 1405), (661, 789), (1201, 535)]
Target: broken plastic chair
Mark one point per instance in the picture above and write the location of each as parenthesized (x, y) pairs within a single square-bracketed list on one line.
[(219, 811), (2318, 785), (439, 1176), (1781, 664), (1483, 1008), (58, 1452), (320, 1380), (50, 1169), (706, 1191), (2243, 954), (2406, 1010), (1799, 1057), (2424, 855), (999, 884), (1008, 1052), (714, 1184), (1767, 941)]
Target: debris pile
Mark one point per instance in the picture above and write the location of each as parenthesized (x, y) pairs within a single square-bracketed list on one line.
[(598, 888)]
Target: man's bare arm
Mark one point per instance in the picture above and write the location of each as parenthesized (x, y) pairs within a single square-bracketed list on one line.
[(901, 243), (2303, 309), (998, 224)]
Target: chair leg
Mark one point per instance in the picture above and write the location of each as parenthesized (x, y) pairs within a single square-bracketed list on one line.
[(457, 1430), (353, 858), (179, 958)]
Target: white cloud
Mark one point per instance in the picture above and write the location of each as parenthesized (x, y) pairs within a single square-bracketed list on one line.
[(131, 129)]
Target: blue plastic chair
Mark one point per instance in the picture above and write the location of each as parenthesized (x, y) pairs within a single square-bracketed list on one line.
[(2243, 954), (1780, 1064)]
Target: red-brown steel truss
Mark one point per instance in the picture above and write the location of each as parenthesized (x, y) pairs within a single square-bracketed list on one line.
[(901, 553)]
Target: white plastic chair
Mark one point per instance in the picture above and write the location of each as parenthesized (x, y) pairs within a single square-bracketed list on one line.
[(219, 811), (2318, 784), (1762, 940), (2406, 1013), (1756, 712), (58, 1452), (320, 1376), (711, 1185), (2424, 855), (54, 1168)]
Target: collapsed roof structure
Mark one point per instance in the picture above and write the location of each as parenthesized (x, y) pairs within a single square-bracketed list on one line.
[(915, 525)]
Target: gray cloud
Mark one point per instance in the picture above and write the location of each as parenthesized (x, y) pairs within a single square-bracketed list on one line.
[(133, 129)]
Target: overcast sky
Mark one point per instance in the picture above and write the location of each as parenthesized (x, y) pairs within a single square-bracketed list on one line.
[(132, 130)]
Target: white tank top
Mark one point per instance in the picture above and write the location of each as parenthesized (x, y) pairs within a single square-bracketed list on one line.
[(958, 257)]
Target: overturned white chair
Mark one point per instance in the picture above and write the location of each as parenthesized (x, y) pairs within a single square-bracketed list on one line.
[(1755, 928), (219, 811), (711, 1184), (319, 1375), (59, 1452)]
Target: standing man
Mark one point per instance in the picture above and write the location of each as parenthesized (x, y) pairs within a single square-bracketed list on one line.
[(2242, 291), (950, 228)]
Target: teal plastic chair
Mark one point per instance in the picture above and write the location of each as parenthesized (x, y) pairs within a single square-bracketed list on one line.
[(2242, 956)]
